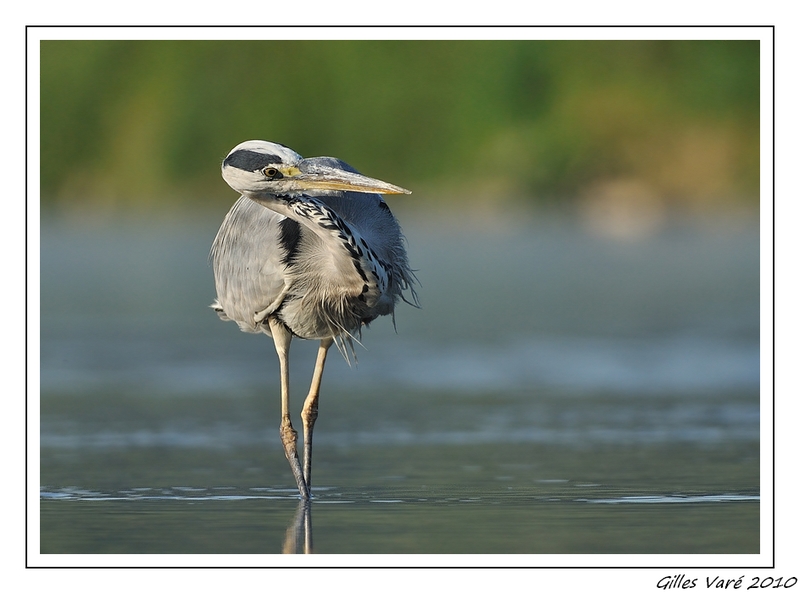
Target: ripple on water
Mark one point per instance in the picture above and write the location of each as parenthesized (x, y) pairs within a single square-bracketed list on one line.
[(330, 495)]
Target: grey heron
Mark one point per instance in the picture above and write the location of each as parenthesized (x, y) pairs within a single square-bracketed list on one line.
[(309, 250)]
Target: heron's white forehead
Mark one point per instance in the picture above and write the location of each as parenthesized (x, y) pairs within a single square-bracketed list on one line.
[(284, 153)]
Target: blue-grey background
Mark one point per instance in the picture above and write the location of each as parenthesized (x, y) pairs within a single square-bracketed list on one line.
[(583, 374)]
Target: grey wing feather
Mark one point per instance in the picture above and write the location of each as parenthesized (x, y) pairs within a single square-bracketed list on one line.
[(248, 268)]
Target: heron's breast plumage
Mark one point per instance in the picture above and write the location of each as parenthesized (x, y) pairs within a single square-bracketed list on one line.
[(324, 282)]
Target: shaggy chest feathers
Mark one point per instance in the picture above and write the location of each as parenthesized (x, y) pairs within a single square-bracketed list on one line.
[(339, 266), (331, 291)]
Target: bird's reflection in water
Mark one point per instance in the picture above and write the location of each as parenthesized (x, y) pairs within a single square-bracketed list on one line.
[(298, 539)]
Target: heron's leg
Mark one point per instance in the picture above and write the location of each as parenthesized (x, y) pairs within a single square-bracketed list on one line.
[(283, 338), (309, 413)]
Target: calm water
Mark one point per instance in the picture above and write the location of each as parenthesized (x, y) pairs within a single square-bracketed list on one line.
[(556, 393)]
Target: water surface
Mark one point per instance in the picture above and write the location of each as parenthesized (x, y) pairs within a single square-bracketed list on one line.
[(556, 393)]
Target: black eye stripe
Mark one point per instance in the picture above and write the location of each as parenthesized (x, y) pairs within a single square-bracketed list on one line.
[(251, 160)]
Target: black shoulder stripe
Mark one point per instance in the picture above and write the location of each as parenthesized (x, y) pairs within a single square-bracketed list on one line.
[(290, 238)]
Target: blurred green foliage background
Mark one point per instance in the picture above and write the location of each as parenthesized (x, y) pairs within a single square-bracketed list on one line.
[(147, 123)]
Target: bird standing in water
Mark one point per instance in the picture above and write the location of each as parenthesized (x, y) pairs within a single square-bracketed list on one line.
[(310, 250)]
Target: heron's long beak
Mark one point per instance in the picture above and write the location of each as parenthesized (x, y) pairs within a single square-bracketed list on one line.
[(329, 178)]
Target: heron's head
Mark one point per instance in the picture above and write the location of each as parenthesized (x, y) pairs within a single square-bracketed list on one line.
[(258, 167)]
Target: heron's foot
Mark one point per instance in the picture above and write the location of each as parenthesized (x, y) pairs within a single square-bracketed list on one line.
[(289, 439)]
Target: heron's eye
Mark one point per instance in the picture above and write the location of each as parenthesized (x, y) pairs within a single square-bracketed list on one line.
[(271, 172)]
